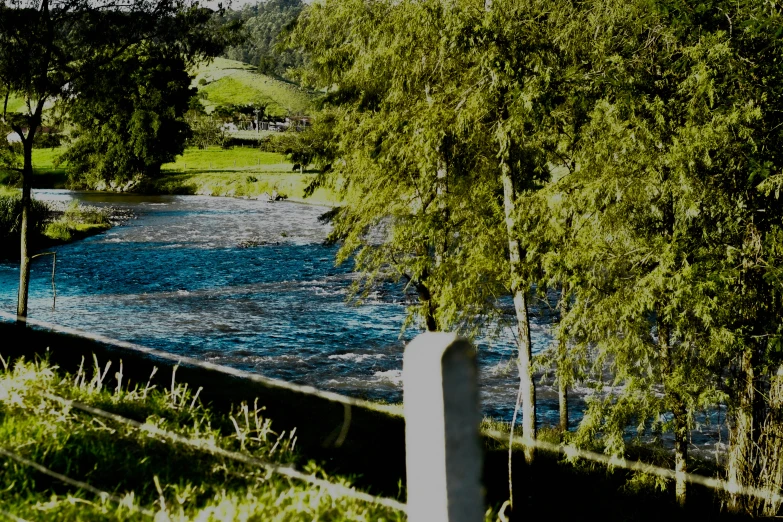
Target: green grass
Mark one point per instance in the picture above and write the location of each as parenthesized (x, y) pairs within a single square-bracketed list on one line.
[(216, 158), (46, 175), (148, 472), (8, 191), (15, 104), (77, 222), (238, 172), (230, 82)]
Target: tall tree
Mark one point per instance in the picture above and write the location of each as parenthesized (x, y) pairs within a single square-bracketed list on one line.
[(129, 113), (46, 46), (670, 290)]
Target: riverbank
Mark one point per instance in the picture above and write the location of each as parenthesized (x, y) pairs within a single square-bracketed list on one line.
[(53, 222), (243, 172), (74, 221)]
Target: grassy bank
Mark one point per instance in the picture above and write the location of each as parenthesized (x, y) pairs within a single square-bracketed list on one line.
[(235, 172), (139, 466), (238, 172), (53, 224), (76, 222)]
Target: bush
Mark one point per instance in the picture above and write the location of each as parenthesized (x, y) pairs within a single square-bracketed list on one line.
[(11, 223), (11, 215)]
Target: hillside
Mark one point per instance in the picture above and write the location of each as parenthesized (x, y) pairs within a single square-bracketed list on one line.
[(15, 104), (229, 82)]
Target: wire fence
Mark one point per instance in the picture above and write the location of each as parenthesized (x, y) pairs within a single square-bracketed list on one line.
[(570, 452), (226, 370), (104, 495), (335, 490)]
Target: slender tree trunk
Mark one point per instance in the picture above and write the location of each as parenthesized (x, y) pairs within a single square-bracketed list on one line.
[(428, 308), (772, 478), (741, 459), (680, 450), (519, 293), (563, 366), (24, 263), (562, 395), (679, 413)]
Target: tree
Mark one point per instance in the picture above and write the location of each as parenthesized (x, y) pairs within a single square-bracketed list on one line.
[(262, 24), (47, 47), (670, 286), (130, 112), (129, 118)]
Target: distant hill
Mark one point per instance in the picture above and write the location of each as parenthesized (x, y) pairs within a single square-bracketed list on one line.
[(228, 82)]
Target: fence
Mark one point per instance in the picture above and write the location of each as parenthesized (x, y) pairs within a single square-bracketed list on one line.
[(443, 445)]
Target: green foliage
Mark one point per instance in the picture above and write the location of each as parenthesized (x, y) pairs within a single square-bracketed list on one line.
[(205, 131), (262, 24), (129, 118), (629, 151), (129, 114)]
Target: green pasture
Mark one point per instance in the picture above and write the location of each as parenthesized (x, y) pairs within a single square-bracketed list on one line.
[(15, 104), (238, 172), (46, 174), (216, 158), (229, 82)]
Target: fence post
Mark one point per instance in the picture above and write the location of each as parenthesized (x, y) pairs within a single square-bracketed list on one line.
[(442, 416)]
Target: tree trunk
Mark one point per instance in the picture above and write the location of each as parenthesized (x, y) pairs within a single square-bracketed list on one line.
[(679, 412), (519, 293), (428, 308), (772, 442), (741, 459), (562, 395), (24, 263), (563, 365)]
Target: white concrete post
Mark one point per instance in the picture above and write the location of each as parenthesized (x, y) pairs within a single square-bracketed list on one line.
[(443, 452)]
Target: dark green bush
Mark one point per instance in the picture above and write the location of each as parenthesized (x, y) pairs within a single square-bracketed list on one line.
[(11, 223)]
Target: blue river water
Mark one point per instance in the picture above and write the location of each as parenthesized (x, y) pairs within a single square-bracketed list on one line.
[(177, 278)]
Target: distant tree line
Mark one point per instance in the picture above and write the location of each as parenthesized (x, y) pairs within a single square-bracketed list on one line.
[(262, 23), (623, 154)]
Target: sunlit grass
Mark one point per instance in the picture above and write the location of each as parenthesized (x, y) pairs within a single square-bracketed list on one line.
[(217, 158), (229, 82), (77, 221), (238, 172), (175, 482)]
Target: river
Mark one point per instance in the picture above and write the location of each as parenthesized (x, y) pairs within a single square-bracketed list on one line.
[(178, 278)]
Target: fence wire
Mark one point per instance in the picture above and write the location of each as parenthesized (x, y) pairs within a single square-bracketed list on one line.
[(572, 452), (105, 495), (335, 490), (390, 409), (11, 516)]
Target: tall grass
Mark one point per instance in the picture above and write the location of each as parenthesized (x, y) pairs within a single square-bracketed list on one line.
[(147, 472)]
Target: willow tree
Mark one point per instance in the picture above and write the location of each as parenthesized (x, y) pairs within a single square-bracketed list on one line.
[(528, 58), (417, 205), (672, 289)]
